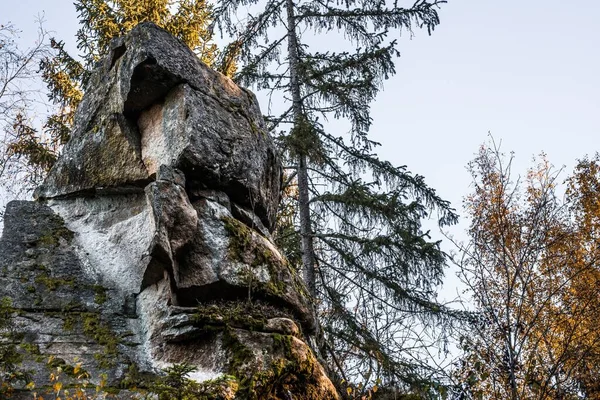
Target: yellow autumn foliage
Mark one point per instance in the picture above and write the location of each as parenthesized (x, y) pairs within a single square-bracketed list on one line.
[(533, 267)]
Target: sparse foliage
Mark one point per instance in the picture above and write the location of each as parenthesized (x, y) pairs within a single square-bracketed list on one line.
[(18, 96)]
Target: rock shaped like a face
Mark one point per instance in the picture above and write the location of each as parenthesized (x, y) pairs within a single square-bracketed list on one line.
[(151, 240), (152, 102)]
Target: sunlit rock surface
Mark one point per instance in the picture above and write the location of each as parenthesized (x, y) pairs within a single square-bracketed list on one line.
[(149, 243)]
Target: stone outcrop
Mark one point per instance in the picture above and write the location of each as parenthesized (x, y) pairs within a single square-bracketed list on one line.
[(152, 102), (149, 243)]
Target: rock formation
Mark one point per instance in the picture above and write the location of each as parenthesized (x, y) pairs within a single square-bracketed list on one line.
[(149, 243)]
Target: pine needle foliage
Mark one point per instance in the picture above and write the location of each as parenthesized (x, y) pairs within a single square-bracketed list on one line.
[(350, 221)]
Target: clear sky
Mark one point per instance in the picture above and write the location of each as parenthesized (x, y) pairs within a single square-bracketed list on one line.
[(528, 71)]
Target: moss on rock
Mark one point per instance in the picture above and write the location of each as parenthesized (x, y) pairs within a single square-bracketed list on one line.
[(252, 316), (248, 247), (53, 283), (99, 294), (51, 237), (275, 366), (95, 328)]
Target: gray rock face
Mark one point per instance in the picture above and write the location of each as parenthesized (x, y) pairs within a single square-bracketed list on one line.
[(65, 309), (150, 242)]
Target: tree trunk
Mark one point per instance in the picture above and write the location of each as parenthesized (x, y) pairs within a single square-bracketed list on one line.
[(308, 253)]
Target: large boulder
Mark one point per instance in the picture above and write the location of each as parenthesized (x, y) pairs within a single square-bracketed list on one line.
[(149, 245), (152, 102)]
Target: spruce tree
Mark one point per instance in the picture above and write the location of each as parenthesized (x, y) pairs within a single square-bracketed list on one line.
[(65, 74), (350, 222)]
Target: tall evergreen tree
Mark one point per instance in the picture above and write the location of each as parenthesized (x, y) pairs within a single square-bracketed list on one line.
[(66, 75), (355, 231)]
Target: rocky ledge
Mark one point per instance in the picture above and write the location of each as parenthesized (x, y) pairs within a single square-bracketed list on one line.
[(149, 243)]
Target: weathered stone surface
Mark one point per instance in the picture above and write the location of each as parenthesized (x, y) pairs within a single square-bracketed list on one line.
[(266, 356), (150, 242), (276, 366), (64, 309), (113, 234), (133, 240), (152, 102), (282, 325), (227, 257)]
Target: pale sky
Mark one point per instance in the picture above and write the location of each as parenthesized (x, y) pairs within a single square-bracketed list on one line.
[(525, 70)]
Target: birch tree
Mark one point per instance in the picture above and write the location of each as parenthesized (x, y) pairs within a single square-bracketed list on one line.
[(18, 96), (532, 268)]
